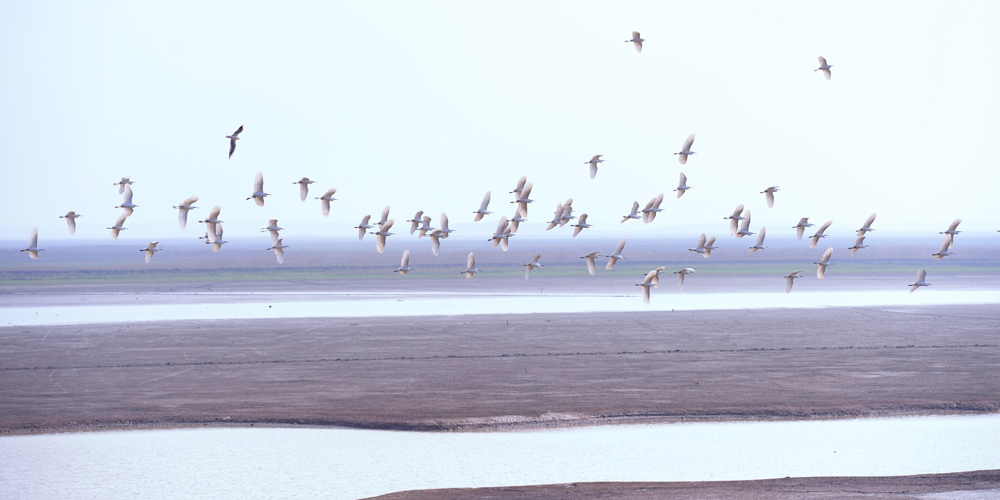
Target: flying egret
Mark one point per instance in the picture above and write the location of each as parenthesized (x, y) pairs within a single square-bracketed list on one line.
[(769, 195), (470, 268), (385, 216), (531, 265), (70, 220), (634, 214), (951, 232), (921, 276), (637, 41), (734, 220), (498, 234), (279, 250), (760, 241), (150, 250), (232, 140), (744, 227), (272, 228), (304, 187), (686, 150), (800, 228), (33, 245), (516, 221), (709, 246), (651, 280), (825, 261), (814, 239), (591, 262), (382, 234), (185, 206), (436, 237), (593, 165), (326, 199), (210, 222), (483, 208), (425, 226), (445, 230), (652, 208), (824, 67), (944, 248), (858, 245), (363, 227), (790, 280), (567, 213), (580, 225), (258, 190), (119, 226), (701, 246), (523, 198), (122, 183), (680, 276), (520, 186), (217, 244), (868, 226), (682, 186), (404, 264), (415, 221), (616, 255), (557, 218), (127, 203)]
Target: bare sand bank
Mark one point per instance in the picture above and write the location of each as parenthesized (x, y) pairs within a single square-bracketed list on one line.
[(502, 371), (978, 485)]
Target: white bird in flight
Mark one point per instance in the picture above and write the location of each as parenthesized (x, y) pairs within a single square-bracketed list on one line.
[(119, 226), (951, 232), (127, 203), (325, 201), (516, 220), (825, 261), (868, 226), (921, 281), (858, 245), (150, 250), (682, 186), (258, 190), (425, 227), (634, 214), (591, 262), (652, 208), (470, 268), (744, 227), (70, 220), (680, 276), (436, 237), (279, 250), (483, 207), (404, 264), (272, 228), (520, 185), (122, 183), (523, 198), (824, 67), (637, 41), (790, 280), (686, 150), (593, 165), (416, 221), (760, 241), (580, 225), (800, 228), (445, 230), (616, 255), (814, 239), (943, 252), (769, 194), (33, 245), (734, 219), (651, 280), (304, 187), (232, 140), (385, 216), (185, 206), (210, 222), (363, 227), (217, 244), (531, 265), (709, 246), (382, 234)]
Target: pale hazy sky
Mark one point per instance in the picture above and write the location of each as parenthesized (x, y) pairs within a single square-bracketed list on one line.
[(427, 105)]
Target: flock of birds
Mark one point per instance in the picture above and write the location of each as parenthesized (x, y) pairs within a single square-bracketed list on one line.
[(739, 221)]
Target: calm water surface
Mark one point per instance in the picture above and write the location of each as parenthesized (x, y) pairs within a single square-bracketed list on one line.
[(207, 306), (348, 463)]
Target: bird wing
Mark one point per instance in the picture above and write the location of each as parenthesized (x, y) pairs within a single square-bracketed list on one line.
[(680, 280), (128, 195), (822, 61), (405, 261), (526, 192), (827, 73), (738, 211), (121, 219), (611, 263), (946, 244), (71, 222), (954, 225), (232, 147), (444, 221), (824, 227), (593, 170), (650, 276), (33, 239), (325, 204), (770, 198), (921, 274), (436, 242), (303, 190), (471, 261), (827, 254), (635, 34), (486, 201), (701, 241), (621, 246), (214, 214), (760, 236), (258, 183), (385, 213), (190, 201), (638, 46), (361, 233), (645, 294), (789, 280), (871, 219), (534, 260), (380, 243), (520, 185), (279, 254), (635, 208), (238, 131), (688, 143), (591, 265)]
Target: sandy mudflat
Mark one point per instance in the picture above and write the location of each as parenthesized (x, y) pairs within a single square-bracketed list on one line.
[(980, 485), (503, 371)]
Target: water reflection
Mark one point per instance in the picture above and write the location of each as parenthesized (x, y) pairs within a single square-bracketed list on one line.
[(347, 463)]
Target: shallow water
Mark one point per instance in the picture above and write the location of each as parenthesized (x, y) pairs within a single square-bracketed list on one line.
[(350, 463), (207, 306)]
